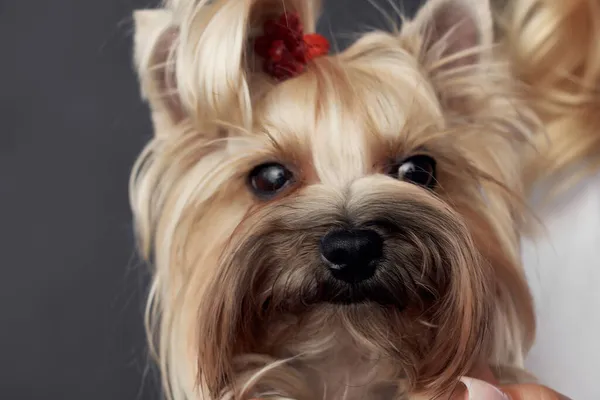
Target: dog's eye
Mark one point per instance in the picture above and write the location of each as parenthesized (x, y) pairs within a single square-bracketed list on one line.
[(267, 180), (419, 169)]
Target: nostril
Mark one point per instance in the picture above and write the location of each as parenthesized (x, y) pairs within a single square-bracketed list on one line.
[(337, 247), (351, 251)]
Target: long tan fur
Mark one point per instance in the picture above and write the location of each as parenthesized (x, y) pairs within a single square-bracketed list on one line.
[(553, 49), (239, 305)]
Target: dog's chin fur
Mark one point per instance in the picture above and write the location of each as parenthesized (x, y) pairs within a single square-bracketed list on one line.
[(242, 304)]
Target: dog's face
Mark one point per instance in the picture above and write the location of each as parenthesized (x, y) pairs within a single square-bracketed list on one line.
[(368, 204)]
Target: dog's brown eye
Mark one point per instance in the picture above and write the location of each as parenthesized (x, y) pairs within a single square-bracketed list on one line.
[(419, 169), (267, 180)]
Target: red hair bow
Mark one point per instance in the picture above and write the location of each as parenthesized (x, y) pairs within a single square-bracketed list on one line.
[(286, 49)]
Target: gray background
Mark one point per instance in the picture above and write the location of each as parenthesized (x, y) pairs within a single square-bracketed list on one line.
[(71, 125)]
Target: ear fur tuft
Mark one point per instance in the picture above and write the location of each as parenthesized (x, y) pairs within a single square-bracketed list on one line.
[(153, 42), (459, 31)]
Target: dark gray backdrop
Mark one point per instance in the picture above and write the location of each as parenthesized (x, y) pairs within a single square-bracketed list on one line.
[(71, 125)]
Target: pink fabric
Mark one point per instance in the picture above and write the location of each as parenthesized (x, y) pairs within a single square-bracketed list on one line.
[(480, 390)]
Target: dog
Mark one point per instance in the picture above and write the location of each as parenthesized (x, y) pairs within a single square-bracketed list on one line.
[(347, 226)]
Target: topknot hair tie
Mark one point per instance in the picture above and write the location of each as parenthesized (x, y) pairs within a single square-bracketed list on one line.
[(286, 49)]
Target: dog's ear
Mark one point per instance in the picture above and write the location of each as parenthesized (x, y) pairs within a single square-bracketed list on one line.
[(201, 65), (453, 40), (453, 33), (154, 40)]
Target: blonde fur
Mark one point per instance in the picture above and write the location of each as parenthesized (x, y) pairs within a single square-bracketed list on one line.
[(553, 48), (236, 308)]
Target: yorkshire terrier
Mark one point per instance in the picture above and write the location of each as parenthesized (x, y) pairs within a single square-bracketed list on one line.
[(347, 226)]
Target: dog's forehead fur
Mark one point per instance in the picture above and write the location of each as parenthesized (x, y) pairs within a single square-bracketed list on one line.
[(347, 114)]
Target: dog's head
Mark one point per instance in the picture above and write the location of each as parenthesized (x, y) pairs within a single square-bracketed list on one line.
[(370, 202)]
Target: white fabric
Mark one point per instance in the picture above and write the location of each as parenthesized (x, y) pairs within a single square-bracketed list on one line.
[(563, 268)]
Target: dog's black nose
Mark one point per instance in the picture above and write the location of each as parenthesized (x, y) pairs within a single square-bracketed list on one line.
[(352, 254)]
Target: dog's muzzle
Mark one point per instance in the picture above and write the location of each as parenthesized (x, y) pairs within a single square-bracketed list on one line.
[(353, 258)]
